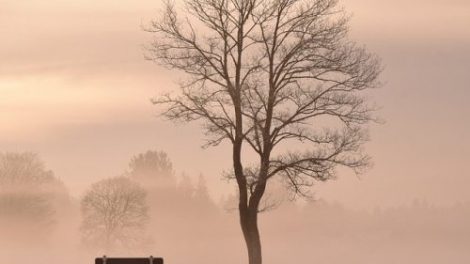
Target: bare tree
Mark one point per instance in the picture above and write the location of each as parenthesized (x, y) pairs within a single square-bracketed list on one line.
[(279, 79), (23, 169), (114, 213)]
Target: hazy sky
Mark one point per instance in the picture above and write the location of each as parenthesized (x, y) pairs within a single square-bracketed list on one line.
[(74, 87)]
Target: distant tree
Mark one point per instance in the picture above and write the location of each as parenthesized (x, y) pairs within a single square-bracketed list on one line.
[(276, 79), (20, 170), (201, 193), (114, 214), (185, 187), (29, 193), (202, 199), (152, 167)]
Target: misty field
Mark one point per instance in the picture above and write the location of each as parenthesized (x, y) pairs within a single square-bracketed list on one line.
[(185, 225)]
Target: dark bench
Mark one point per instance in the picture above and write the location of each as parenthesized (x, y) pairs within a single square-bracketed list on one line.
[(149, 260)]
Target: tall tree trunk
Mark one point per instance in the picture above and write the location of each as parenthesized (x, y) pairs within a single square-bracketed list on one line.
[(249, 225)]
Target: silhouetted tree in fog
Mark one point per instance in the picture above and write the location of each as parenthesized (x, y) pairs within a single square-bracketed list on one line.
[(201, 199), (23, 169), (269, 75), (29, 194), (152, 167), (201, 192), (114, 214)]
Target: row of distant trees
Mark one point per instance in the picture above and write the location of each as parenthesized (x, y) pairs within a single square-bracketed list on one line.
[(114, 211), (148, 206)]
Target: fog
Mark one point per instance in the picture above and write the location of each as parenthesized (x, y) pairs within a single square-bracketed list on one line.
[(74, 96), (185, 225)]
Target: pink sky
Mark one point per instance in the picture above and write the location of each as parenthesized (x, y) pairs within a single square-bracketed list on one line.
[(75, 88)]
